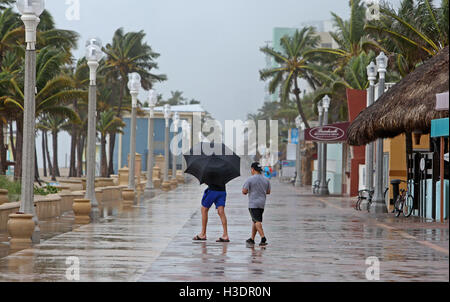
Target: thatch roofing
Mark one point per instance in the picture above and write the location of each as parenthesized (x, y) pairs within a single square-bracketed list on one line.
[(407, 107)]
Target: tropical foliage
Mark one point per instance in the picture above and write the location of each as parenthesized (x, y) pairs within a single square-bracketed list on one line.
[(409, 34)]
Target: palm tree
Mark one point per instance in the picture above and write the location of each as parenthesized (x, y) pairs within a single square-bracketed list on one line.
[(297, 61), (54, 123), (54, 92), (415, 32), (80, 77), (351, 37), (107, 124), (129, 53), (6, 3)]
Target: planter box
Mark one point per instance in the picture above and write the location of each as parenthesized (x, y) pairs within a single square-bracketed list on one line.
[(6, 210), (48, 206)]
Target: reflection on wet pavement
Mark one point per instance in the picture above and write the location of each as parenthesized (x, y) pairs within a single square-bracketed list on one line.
[(310, 239)]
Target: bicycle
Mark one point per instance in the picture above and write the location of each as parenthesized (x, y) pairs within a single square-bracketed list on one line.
[(404, 203), (367, 195), (316, 186)]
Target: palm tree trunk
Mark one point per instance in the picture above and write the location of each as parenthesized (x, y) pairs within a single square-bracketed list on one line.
[(2, 150), (73, 149), (104, 163), (112, 136), (306, 162), (44, 158), (11, 139), (19, 148), (81, 140), (36, 166), (55, 155), (299, 104), (74, 142), (47, 153)]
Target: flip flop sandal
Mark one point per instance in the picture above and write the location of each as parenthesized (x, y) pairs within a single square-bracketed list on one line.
[(223, 240), (197, 238)]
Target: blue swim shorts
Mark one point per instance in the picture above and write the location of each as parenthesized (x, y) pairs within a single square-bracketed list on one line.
[(214, 197)]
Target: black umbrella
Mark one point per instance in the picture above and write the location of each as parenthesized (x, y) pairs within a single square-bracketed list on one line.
[(213, 164)]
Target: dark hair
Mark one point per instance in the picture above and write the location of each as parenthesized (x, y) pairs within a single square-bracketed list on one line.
[(257, 167)]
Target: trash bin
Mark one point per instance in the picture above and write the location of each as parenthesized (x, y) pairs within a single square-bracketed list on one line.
[(396, 188)]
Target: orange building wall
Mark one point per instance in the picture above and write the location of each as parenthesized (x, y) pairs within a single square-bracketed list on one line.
[(396, 148)]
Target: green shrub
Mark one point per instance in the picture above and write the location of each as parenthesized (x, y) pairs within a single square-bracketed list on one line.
[(14, 188), (44, 191)]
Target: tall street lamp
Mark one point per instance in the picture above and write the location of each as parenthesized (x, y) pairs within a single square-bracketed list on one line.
[(93, 55), (372, 76), (149, 189), (323, 181), (134, 85), (379, 202), (319, 145), (298, 179), (176, 121), (30, 11), (167, 115), (186, 128)]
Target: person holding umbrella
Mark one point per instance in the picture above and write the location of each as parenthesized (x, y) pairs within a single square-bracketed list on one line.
[(257, 188), (215, 167)]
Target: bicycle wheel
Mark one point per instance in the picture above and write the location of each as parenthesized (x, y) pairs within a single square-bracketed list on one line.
[(358, 205), (408, 206), (398, 205)]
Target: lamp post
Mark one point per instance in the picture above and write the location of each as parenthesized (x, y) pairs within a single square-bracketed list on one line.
[(298, 179), (176, 120), (134, 85), (323, 176), (320, 145), (186, 128), (167, 115), (149, 188), (379, 202), (372, 76), (93, 56), (30, 11)]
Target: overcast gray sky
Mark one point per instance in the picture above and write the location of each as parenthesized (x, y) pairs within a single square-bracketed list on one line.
[(209, 48)]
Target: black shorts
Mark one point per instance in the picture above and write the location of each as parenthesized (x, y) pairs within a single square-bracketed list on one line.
[(257, 215)]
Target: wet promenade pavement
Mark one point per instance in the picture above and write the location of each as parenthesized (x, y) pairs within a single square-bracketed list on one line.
[(310, 239)]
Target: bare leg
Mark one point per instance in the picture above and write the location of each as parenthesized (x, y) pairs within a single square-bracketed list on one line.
[(259, 227), (205, 212), (254, 231), (223, 217)]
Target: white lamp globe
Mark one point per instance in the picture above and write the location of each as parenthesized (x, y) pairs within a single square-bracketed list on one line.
[(320, 107), (326, 102), (382, 61), (372, 71), (153, 98), (134, 82), (94, 49), (31, 7)]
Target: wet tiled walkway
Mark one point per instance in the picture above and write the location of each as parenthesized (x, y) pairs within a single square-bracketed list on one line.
[(310, 239)]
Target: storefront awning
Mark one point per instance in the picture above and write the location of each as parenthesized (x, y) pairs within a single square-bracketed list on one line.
[(439, 128)]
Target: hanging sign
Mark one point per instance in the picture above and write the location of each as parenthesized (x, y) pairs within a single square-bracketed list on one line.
[(336, 133)]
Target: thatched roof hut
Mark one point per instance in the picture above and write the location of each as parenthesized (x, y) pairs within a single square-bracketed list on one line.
[(407, 107)]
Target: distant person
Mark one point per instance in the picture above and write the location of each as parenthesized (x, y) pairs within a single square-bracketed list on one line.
[(257, 188), (214, 195)]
